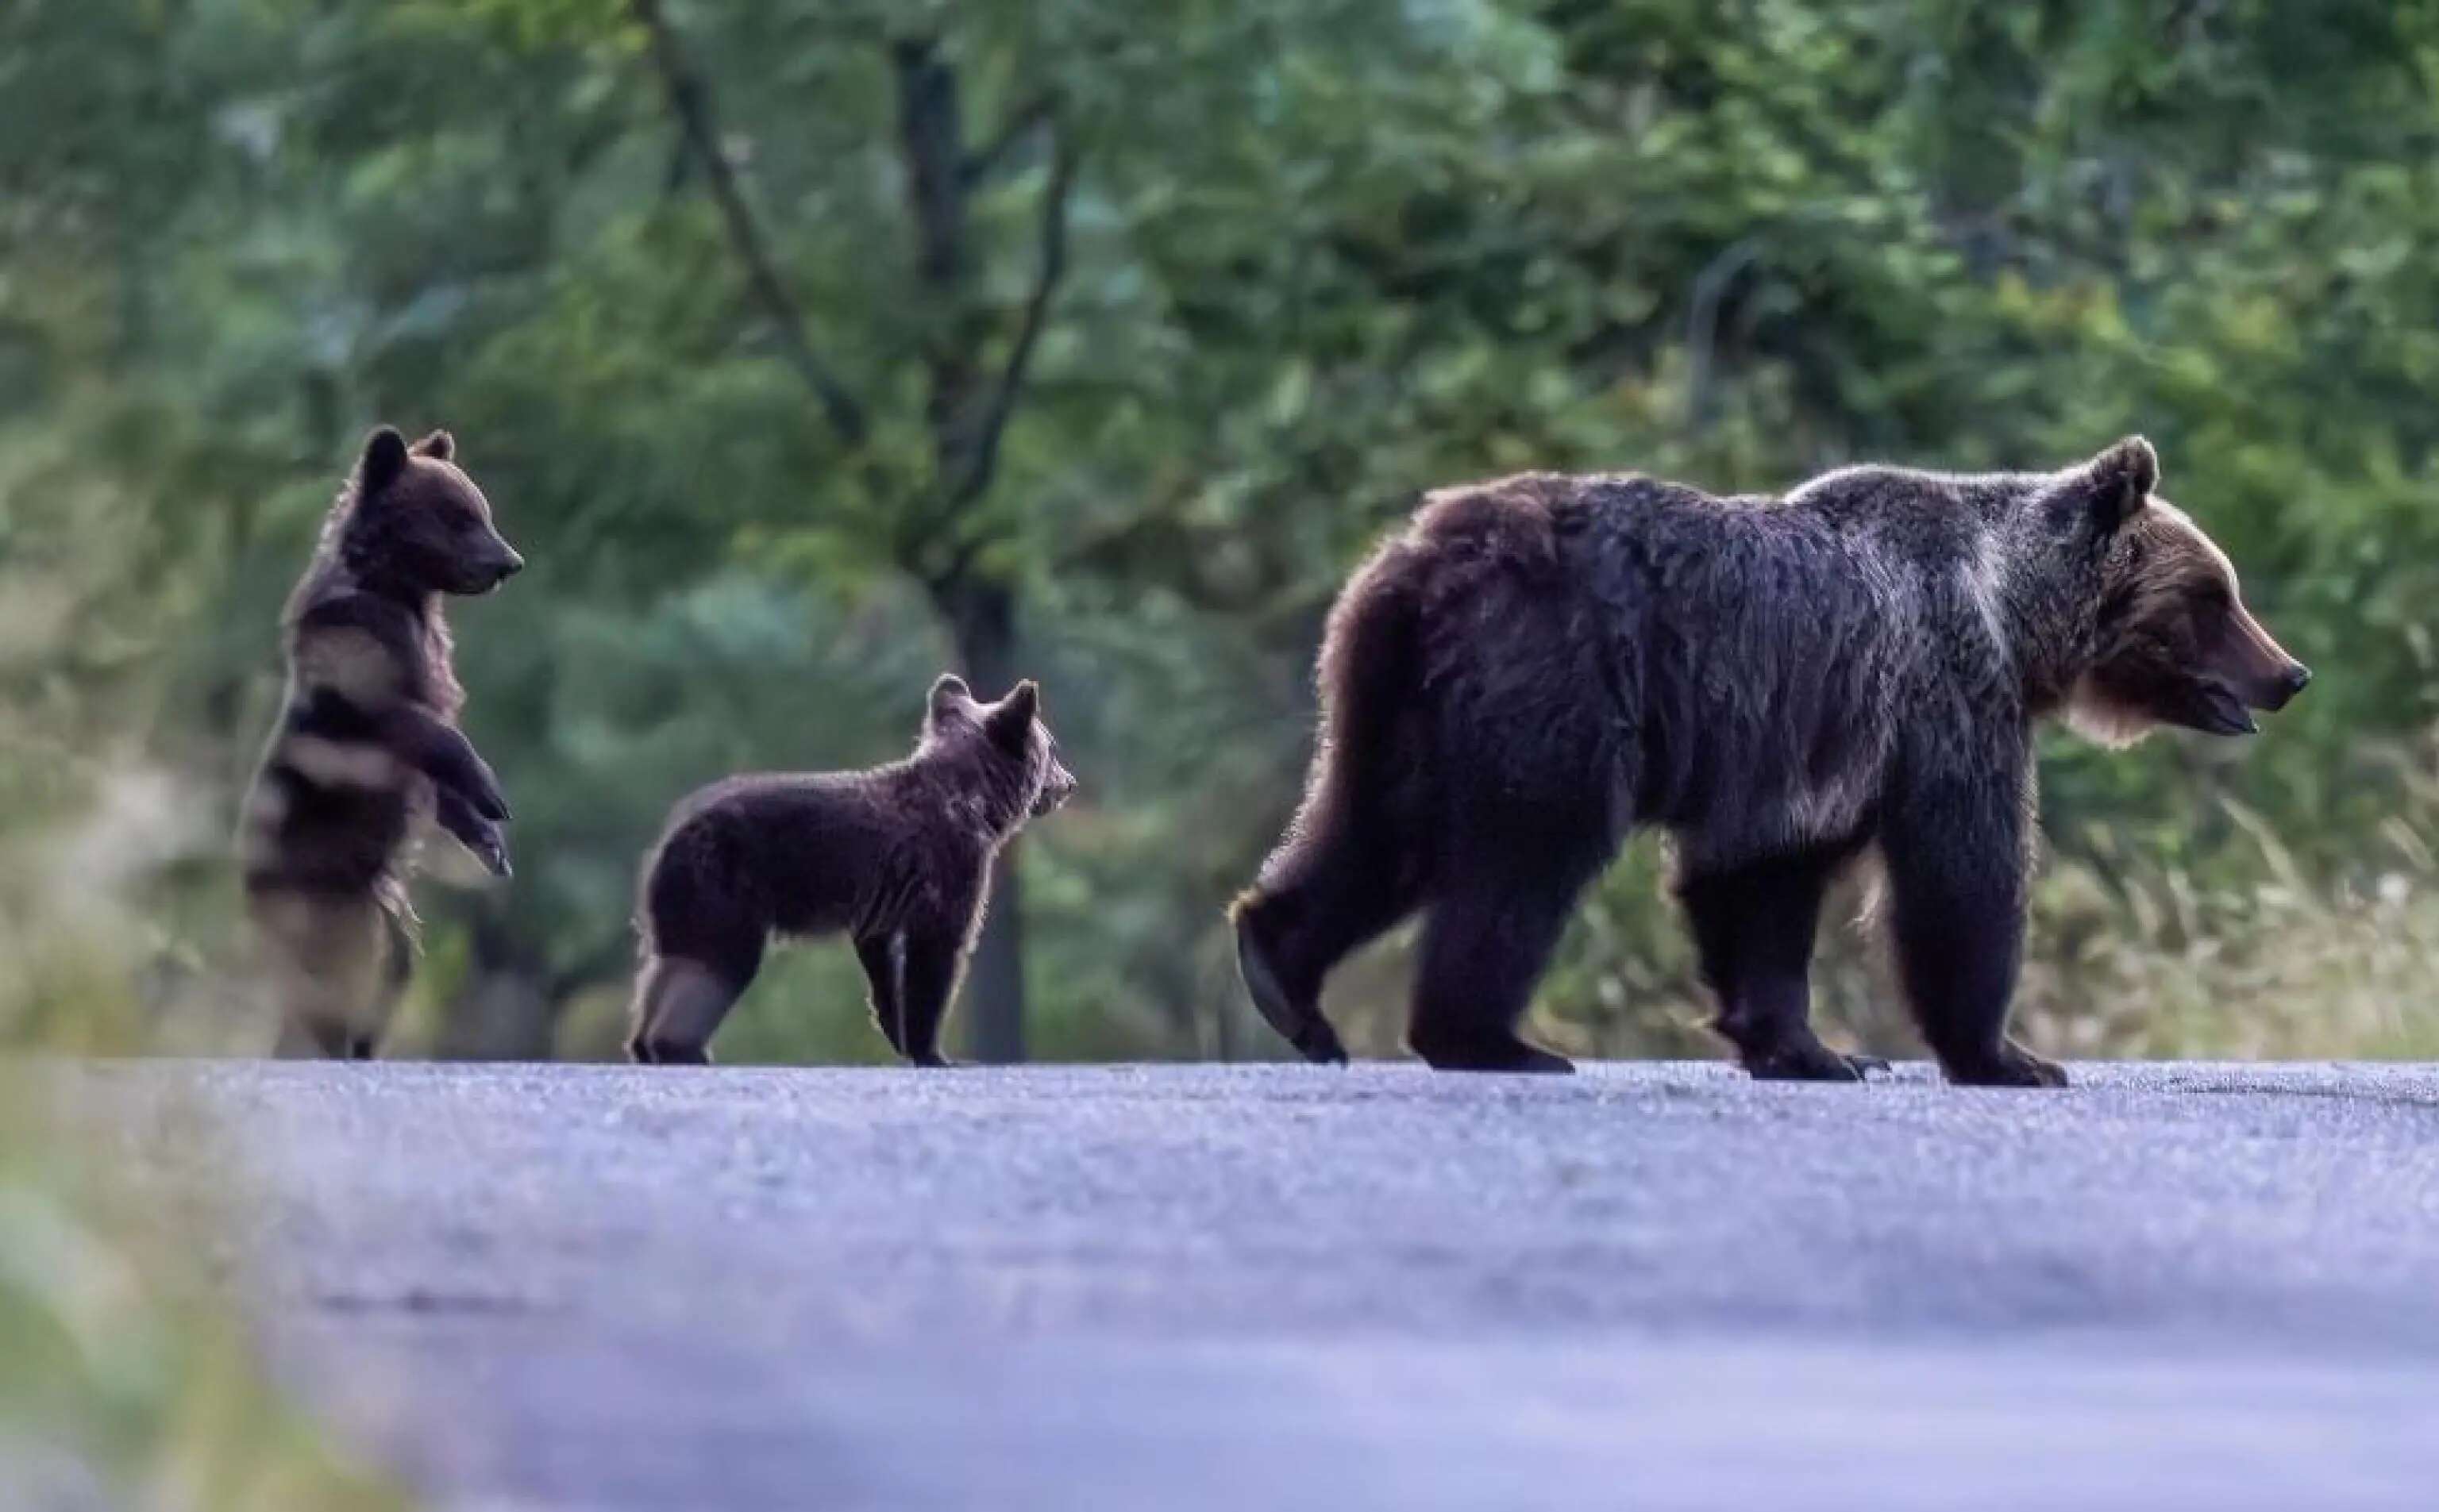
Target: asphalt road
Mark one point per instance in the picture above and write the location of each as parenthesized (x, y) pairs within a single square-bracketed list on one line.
[(1290, 1287)]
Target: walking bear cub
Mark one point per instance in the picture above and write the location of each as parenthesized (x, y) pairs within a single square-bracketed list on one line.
[(367, 741), (898, 857), (1537, 666)]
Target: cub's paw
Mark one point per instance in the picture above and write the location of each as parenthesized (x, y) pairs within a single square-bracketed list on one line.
[(485, 795), (478, 837), (491, 847)]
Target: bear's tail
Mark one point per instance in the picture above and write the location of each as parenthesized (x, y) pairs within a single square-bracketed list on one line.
[(1322, 891)]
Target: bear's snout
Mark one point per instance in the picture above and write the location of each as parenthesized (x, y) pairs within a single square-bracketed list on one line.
[(2280, 691), (1057, 788), (2259, 668)]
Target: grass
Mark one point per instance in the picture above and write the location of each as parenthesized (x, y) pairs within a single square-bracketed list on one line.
[(126, 1379)]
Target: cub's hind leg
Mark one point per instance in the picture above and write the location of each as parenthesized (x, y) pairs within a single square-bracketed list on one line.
[(328, 962), (703, 939), (397, 971), (678, 1005)]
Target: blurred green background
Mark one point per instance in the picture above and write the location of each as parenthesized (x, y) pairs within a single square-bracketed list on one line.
[(810, 347)]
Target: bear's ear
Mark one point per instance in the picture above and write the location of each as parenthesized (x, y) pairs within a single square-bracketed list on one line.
[(2120, 479), (440, 446), (950, 697), (1011, 722), (384, 458)]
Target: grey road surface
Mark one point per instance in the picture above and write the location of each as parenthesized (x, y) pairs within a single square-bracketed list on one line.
[(1289, 1287)]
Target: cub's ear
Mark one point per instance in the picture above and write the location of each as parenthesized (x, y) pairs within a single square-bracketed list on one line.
[(384, 458), (2120, 479), (440, 446), (950, 696), (1011, 722)]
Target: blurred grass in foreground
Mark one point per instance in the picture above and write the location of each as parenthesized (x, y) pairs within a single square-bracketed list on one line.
[(126, 1380)]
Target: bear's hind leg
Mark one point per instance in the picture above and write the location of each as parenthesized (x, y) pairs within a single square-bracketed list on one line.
[(398, 972), (1485, 943), (1753, 929), (312, 1039), (1341, 894), (678, 1005), (332, 965)]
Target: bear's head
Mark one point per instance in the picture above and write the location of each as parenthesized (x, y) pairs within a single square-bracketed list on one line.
[(2172, 642), (1010, 735), (415, 522)]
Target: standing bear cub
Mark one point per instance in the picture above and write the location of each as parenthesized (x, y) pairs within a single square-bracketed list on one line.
[(1537, 666), (898, 857), (367, 741)]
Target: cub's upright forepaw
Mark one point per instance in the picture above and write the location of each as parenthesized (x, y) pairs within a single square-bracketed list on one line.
[(491, 847), (485, 795)]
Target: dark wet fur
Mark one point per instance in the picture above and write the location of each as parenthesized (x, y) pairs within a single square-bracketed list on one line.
[(1536, 666), (898, 857)]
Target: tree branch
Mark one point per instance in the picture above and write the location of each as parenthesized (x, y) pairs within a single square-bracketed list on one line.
[(1033, 113), (1053, 267), (691, 103)]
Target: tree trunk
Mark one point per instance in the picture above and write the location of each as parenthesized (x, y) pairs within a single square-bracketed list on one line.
[(981, 612), (963, 411), (982, 618), (507, 1011)]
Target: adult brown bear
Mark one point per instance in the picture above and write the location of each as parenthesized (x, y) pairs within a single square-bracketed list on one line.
[(1537, 666)]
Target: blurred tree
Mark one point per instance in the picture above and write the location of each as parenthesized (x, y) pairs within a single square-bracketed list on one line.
[(805, 347), (966, 409)]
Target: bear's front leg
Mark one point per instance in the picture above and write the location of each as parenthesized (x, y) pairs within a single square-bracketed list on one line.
[(884, 961), (441, 751), (1955, 841), (480, 836), (935, 958)]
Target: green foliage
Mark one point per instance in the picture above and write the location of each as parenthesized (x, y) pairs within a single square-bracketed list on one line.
[(1317, 256), (124, 1381)]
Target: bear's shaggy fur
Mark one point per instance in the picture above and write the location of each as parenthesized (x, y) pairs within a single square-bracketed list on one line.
[(898, 857), (1537, 666), (367, 741)]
